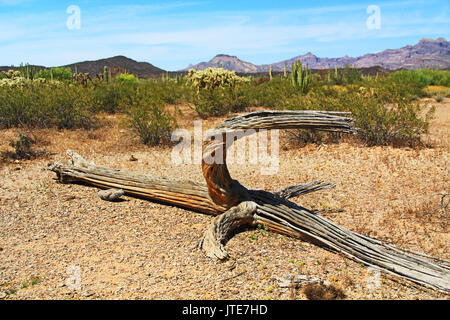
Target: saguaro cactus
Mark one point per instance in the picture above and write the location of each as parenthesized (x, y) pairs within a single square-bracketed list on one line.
[(270, 73), (301, 77), (105, 74)]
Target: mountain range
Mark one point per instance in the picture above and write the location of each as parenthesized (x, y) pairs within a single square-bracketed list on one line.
[(116, 64), (428, 53), (142, 69)]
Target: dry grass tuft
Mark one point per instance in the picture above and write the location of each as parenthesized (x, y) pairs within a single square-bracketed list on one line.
[(318, 291)]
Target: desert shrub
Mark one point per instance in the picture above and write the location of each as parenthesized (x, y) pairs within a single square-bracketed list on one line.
[(220, 101), (399, 122), (438, 97), (425, 77), (60, 73), (434, 91), (273, 94), (113, 97), (395, 86), (152, 124), (45, 105), (172, 91), (120, 95), (127, 78), (351, 75), (412, 83), (70, 107)]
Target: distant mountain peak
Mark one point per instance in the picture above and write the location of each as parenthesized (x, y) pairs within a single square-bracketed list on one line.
[(227, 62), (222, 55), (142, 69), (441, 39)]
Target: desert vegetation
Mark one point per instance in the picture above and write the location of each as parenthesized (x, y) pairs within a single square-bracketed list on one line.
[(386, 108)]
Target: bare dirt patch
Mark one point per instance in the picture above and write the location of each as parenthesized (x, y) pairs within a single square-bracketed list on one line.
[(142, 250)]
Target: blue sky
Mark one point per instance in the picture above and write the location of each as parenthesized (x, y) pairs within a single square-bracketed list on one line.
[(173, 34)]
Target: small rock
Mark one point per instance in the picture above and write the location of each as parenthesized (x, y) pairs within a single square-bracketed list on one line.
[(133, 158), (110, 194), (3, 295), (87, 294)]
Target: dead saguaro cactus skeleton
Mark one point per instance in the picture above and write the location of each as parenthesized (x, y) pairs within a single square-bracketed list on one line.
[(234, 205)]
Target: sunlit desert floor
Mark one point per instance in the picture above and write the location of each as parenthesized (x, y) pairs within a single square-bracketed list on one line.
[(137, 249)]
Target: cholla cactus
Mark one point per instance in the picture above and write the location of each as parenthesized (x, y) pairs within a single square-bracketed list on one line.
[(211, 78), (11, 74)]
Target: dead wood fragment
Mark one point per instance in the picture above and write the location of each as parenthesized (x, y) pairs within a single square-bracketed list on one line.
[(220, 228), (110, 194), (303, 188)]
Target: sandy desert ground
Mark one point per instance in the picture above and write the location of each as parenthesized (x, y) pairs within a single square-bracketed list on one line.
[(137, 249)]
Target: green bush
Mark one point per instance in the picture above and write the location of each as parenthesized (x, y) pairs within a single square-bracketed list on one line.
[(172, 91), (45, 105), (113, 97), (423, 77), (398, 122), (221, 101), (153, 125), (273, 94), (127, 78), (60, 73), (351, 75)]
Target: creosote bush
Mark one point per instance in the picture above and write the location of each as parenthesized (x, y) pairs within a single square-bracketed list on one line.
[(46, 105), (153, 125), (221, 101)]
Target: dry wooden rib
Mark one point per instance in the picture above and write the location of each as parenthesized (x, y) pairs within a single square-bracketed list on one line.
[(184, 193), (235, 205)]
